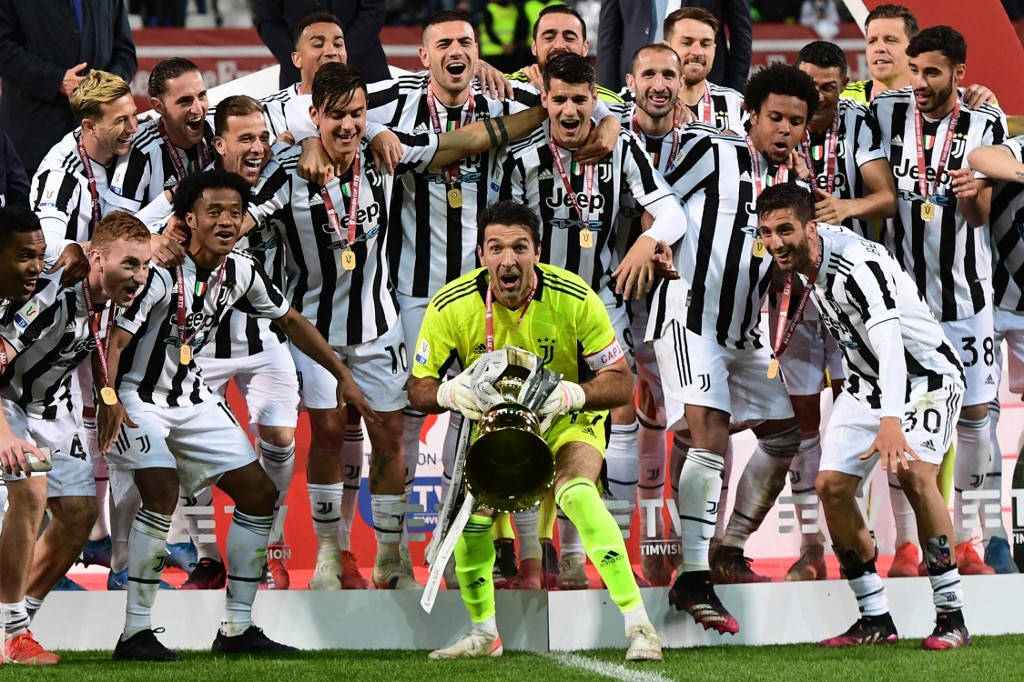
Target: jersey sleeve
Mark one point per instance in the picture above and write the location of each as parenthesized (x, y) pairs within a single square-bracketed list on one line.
[(127, 191), (436, 348), (1015, 145), (418, 151), (645, 183), (995, 132), (868, 138), (262, 298), (596, 336), (272, 192), (872, 291), (383, 102), (55, 195), (38, 317), (153, 302)]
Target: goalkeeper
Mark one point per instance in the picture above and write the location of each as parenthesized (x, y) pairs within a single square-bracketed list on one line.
[(514, 300)]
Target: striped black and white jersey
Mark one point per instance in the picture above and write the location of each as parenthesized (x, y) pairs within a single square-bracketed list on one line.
[(726, 112), (148, 168), (349, 307), (861, 285), (1007, 222), (288, 109), (150, 363), (437, 241), (724, 273), (60, 194), (51, 336), (858, 142), (950, 261), (529, 174)]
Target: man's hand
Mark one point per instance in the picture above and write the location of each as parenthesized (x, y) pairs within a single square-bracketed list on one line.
[(600, 142), (828, 208), (349, 394), (892, 445), (71, 79), (387, 150), (636, 269), (567, 397), (493, 82), (108, 424), (964, 184), (798, 166), (976, 95), (74, 262), (534, 75), (314, 165), (167, 252), (682, 114), (663, 266), (285, 137), (457, 394), (12, 453)]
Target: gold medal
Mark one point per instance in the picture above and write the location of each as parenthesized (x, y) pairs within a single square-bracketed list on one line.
[(185, 354), (586, 238), (773, 368), (927, 210), (759, 250), (109, 395), (348, 259), (455, 197)]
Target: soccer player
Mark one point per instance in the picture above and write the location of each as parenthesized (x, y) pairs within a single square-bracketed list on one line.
[(578, 206), (1003, 163), (901, 402), (854, 186), (715, 368), (515, 300), (22, 253), (46, 340), (940, 234), (160, 424), (339, 279)]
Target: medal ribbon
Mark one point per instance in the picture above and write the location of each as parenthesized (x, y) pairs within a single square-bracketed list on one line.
[(185, 340), (755, 165), (172, 151), (831, 144), (102, 345), (786, 327), (353, 205), (450, 172), (589, 175), (87, 165), (947, 145)]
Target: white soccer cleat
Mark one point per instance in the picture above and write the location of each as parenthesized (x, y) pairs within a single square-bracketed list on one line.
[(572, 572), (327, 575), (644, 643), (391, 574), (473, 645)]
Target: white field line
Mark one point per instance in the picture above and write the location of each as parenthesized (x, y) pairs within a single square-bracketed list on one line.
[(612, 670)]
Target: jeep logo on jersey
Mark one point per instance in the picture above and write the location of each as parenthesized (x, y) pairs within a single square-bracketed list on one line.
[(908, 169), (365, 217), (839, 182), (560, 199)]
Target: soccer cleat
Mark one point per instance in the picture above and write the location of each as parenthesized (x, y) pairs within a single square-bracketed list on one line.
[(644, 643), (66, 584), (252, 641), (505, 567), (276, 569), (391, 574), (810, 566), (471, 645), (97, 552), (968, 561), (867, 630), (207, 575), (351, 577), (144, 646), (549, 563), (905, 563), (949, 633), (997, 555), (656, 569), (327, 574), (729, 567), (704, 605), (530, 577), (23, 649), (119, 581), (181, 555), (572, 571)]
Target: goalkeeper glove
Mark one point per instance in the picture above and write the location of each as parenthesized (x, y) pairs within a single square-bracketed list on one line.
[(566, 397), (457, 394)]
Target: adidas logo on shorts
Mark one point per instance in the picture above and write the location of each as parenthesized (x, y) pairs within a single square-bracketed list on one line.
[(610, 558), (989, 380), (929, 444)]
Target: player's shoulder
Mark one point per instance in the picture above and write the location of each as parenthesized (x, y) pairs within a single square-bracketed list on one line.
[(563, 284), (147, 138), (607, 94), (282, 95), (849, 107), (990, 112), (891, 98), (62, 156), (460, 290), (724, 91), (412, 82), (287, 159), (537, 138), (47, 293)]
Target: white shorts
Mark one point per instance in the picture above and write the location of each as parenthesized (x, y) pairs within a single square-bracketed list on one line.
[(267, 381), (380, 368), (929, 421), (698, 371), (1009, 325), (413, 309), (71, 475), (202, 442), (974, 340), (811, 351)]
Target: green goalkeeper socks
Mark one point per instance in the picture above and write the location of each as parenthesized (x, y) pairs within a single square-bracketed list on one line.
[(602, 539), (474, 563)]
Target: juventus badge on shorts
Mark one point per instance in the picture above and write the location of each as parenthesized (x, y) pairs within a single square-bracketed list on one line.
[(109, 395), (185, 354), (455, 197), (348, 259), (773, 368), (586, 238), (927, 210), (759, 250)]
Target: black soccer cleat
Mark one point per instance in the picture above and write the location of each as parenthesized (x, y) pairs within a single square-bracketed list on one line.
[(867, 630), (144, 646), (252, 641)]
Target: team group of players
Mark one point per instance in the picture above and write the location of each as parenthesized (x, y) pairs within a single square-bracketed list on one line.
[(325, 244)]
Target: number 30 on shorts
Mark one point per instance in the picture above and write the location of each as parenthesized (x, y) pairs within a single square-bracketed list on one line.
[(929, 418), (987, 354)]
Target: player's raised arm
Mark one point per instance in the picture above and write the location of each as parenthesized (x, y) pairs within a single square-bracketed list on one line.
[(483, 135)]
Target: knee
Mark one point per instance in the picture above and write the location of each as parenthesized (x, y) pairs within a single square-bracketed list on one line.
[(277, 436), (76, 514), (833, 487), (327, 428), (917, 482), (26, 497), (259, 498)]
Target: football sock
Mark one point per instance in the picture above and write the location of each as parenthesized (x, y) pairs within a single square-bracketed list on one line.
[(352, 476), (474, 564), (763, 479), (972, 461), (412, 426), (651, 486), (388, 522), (802, 473), (14, 618), (947, 593), (864, 581), (32, 606), (325, 506), (146, 555), (622, 463), (548, 514), (204, 539), (569, 541), (992, 524), (247, 552), (700, 482), (279, 463), (501, 526), (527, 530)]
